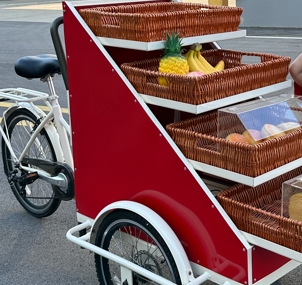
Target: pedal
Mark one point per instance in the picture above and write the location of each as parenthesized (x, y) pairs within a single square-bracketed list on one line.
[(27, 178)]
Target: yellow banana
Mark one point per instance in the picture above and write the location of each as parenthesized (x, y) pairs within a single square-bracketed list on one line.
[(187, 54), (192, 62), (220, 65), (199, 64), (205, 63)]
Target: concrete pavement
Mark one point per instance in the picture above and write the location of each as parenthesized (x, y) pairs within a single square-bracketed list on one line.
[(26, 12)]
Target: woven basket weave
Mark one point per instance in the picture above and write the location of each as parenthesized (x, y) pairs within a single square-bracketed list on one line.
[(148, 22), (197, 139), (236, 78), (257, 210)]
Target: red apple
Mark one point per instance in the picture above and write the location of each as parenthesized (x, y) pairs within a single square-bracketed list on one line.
[(195, 73)]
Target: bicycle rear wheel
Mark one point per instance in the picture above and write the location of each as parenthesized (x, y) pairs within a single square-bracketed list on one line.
[(131, 237), (38, 198)]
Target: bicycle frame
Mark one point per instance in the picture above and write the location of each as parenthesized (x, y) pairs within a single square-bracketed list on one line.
[(58, 132), (62, 126)]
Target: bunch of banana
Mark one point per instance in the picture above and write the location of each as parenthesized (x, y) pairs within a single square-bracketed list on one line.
[(198, 63)]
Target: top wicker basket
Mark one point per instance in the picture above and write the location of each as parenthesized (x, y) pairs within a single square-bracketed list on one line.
[(149, 22)]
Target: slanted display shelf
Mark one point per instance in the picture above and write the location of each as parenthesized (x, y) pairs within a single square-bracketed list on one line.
[(198, 109), (150, 46), (243, 179)]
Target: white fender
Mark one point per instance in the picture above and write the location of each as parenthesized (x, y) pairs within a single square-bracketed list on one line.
[(50, 128), (173, 243)]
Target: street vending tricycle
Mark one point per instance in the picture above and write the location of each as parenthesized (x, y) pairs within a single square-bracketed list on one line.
[(166, 192)]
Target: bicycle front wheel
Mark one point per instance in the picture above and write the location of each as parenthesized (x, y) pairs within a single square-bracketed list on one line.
[(38, 198), (131, 237)]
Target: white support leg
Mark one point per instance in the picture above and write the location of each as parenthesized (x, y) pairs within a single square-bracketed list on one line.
[(126, 274)]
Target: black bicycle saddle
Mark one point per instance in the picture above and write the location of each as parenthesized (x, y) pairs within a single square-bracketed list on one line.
[(37, 66)]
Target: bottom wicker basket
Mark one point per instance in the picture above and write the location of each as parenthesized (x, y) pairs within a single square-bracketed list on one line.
[(257, 210)]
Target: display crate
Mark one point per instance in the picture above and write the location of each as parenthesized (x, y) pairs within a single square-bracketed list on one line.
[(291, 206), (258, 120), (236, 78), (198, 139), (257, 210), (148, 22)]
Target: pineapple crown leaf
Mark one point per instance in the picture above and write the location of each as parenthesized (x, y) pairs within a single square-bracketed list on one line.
[(173, 44)]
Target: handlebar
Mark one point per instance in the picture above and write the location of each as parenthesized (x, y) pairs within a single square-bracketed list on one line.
[(57, 42)]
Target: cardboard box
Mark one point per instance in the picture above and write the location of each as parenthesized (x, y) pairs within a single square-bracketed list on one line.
[(219, 2)]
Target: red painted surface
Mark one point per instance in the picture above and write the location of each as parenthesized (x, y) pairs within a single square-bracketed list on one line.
[(120, 154), (265, 262), (297, 89)]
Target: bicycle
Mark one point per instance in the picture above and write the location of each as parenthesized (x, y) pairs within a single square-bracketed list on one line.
[(36, 151)]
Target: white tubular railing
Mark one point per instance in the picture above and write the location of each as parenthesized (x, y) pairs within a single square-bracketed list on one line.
[(83, 242), (22, 95)]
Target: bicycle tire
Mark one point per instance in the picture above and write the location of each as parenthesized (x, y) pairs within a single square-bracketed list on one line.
[(152, 253), (39, 199)]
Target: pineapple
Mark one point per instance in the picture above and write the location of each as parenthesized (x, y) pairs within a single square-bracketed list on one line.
[(172, 61)]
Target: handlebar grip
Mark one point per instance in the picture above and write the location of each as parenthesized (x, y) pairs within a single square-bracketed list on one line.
[(57, 42)]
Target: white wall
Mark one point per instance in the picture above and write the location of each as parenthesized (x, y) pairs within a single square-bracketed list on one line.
[(271, 13)]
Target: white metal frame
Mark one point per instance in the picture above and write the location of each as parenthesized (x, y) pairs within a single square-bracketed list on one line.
[(216, 104), (157, 45)]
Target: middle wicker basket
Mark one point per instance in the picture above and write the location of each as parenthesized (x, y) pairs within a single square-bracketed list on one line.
[(197, 138), (235, 79)]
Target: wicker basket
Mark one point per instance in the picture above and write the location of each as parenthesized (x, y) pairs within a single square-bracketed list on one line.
[(257, 210), (236, 78), (148, 22), (197, 139)]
